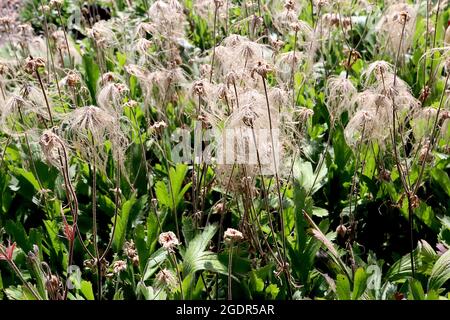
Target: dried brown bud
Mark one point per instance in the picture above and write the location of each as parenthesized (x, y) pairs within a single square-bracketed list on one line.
[(199, 88)]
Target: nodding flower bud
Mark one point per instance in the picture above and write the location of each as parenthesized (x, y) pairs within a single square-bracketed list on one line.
[(73, 79), (231, 78), (232, 235), (249, 117), (218, 3), (256, 22), (403, 17), (261, 68), (33, 64), (424, 93), (199, 88), (341, 230), (296, 27), (108, 77), (277, 45), (219, 208), (289, 5)]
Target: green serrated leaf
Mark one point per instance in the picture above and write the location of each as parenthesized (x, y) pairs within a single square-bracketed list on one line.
[(440, 272), (343, 290)]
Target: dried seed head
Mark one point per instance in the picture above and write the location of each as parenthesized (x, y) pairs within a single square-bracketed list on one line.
[(231, 78), (396, 27), (377, 70), (53, 286), (25, 30), (88, 128), (321, 3), (73, 79), (340, 92), (262, 68), (305, 113), (365, 125), (425, 153), (23, 113), (289, 5), (198, 88), (402, 17), (166, 279), (142, 45), (158, 127), (6, 22), (231, 236), (109, 77), (130, 251), (168, 240), (119, 266), (110, 97), (33, 64), (277, 44), (53, 148)]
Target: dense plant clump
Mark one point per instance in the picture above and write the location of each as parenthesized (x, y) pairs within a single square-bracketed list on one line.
[(225, 149)]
